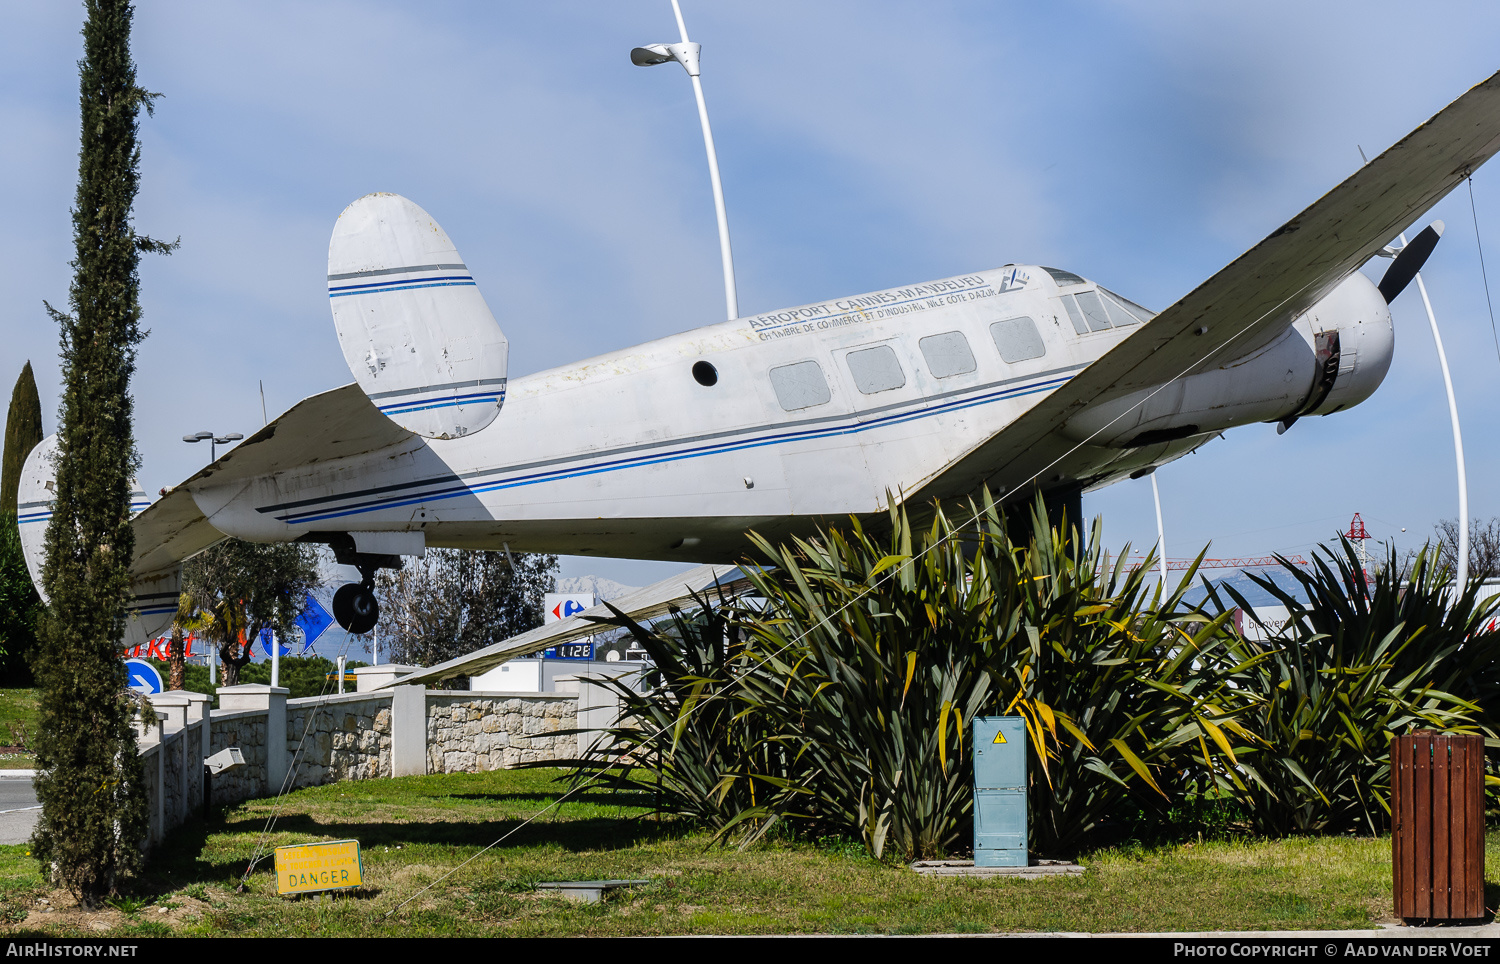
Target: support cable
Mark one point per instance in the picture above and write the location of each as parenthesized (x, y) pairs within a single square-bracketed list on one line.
[(289, 781), (1482, 272)]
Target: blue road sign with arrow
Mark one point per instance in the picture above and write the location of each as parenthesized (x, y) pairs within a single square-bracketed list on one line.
[(143, 676), (313, 622), (266, 636)]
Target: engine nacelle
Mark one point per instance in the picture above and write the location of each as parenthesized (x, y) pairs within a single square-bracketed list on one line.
[(1361, 353), (1332, 356)]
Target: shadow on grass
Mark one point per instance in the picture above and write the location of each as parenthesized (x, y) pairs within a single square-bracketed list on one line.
[(1491, 901), (180, 861), (636, 800)]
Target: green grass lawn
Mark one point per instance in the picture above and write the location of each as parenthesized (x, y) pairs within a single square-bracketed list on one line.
[(18, 716), (416, 830)]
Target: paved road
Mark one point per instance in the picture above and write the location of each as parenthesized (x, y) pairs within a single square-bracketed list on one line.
[(18, 806)]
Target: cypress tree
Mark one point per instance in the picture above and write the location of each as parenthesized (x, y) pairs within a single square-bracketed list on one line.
[(23, 430), (94, 823), (18, 599)]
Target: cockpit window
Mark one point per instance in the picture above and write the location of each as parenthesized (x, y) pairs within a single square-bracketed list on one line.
[(1093, 310), (1123, 311), (1099, 311), (1074, 315), (1064, 278)]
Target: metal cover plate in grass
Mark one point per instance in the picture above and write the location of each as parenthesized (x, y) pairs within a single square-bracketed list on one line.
[(588, 891), (966, 868)]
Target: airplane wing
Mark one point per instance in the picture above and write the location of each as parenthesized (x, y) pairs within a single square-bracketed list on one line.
[(1258, 294), (643, 604), (332, 425)]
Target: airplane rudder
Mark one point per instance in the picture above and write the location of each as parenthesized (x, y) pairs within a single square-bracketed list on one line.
[(415, 330)]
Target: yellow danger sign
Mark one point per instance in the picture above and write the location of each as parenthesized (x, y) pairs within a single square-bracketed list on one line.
[(1000, 737), (304, 868)]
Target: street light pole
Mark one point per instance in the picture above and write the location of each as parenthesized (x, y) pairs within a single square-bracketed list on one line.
[(1458, 444), (1161, 536), (214, 441), (687, 53), (1458, 439)]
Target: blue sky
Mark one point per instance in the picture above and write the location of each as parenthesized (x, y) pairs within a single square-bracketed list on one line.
[(863, 145)]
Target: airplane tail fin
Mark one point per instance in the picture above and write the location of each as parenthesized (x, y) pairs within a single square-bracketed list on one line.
[(153, 600), (416, 332)]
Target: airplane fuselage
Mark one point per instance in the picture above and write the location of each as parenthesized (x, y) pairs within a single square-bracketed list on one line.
[(674, 449)]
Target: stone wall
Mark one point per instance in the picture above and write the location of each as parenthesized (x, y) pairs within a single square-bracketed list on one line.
[(191, 767), (245, 729), (174, 784), (468, 732), (347, 738), (356, 736), (151, 763), (171, 783)]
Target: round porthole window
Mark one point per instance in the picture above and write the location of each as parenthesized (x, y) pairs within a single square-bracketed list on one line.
[(705, 374)]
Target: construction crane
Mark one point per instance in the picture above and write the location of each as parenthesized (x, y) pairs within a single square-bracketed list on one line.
[(1244, 562), (1357, 534)]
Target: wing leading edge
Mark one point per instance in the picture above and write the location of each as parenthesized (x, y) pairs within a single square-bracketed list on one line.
[(332, 425), (642, 605), (1257, 295)]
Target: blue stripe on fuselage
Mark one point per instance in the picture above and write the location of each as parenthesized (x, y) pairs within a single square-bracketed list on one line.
[(440, 402), (558, 474), (385, 286), (397, 282)]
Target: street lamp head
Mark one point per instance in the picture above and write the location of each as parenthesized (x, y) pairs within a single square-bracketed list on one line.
[(231, 437), (652, 54)]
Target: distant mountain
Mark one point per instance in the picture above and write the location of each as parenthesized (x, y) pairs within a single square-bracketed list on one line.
[(607, 590), (1245, 586)]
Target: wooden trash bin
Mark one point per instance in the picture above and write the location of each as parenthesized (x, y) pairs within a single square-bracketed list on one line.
[(1437, 826)]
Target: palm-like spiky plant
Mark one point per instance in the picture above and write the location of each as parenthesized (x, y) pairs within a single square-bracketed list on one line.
[(1144, 684), (1359, 661), (843, 698), (695, 733)]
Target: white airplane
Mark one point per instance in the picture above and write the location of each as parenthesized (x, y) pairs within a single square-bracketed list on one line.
[(1021, 378)]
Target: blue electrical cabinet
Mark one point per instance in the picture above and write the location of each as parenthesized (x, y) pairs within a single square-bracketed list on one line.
[(1000, 791)]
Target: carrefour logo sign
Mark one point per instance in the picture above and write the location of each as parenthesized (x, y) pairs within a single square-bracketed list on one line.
[(561, 605)]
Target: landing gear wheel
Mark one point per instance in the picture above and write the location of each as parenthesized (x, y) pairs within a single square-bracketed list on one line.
[(355, 608)]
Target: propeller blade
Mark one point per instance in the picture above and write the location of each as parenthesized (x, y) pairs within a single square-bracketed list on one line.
[(1409, 261)]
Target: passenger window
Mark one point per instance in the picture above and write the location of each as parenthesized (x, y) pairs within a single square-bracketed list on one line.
[(875, 369), (947, 354), (1018, 339), (801, 385)]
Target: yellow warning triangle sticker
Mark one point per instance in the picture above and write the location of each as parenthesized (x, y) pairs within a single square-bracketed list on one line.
[(1000, 737)]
